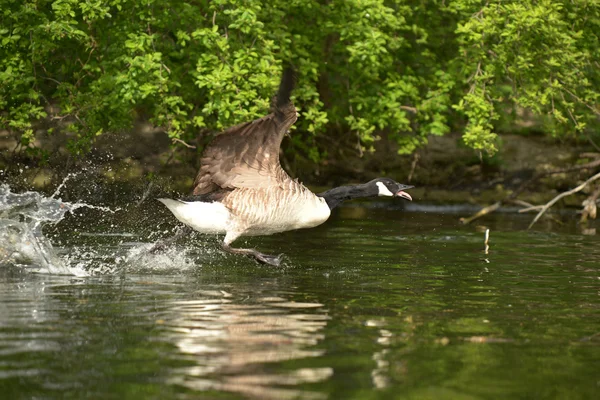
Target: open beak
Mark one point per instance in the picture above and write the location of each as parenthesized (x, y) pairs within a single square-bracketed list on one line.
[(403, 194)]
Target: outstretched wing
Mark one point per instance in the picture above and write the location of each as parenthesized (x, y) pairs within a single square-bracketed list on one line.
[(247, 155)]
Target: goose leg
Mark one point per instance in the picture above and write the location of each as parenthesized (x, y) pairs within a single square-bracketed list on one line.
[(258, 256), (161, 245)]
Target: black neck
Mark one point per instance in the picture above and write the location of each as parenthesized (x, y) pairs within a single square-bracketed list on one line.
[(334, 197)]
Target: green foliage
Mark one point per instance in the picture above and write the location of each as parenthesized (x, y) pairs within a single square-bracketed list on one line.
[(409, 69), (545, 52)]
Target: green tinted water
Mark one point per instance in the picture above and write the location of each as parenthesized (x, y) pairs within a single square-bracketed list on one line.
[(374, 304)]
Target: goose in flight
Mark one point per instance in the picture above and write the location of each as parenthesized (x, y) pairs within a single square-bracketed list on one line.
[(242, 190)]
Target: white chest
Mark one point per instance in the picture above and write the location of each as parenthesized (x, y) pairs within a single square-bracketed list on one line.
[(312, 213)]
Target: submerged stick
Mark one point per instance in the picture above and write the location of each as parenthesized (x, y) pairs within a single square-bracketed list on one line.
[(560, 196), (482, 212), (531, 208), (486, 241), (520, 203)]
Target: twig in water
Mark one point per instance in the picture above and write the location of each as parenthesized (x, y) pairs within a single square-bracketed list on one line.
[(520, 203), (486, 241), (481, 213), (560, 196), (530, 208)]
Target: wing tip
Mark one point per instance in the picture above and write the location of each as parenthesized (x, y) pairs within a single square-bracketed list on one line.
[(286, 86)]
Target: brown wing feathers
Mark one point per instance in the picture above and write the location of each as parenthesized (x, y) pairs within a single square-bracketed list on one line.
[(247, 155)]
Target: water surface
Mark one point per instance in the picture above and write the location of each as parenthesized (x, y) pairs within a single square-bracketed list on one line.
[(377, 303)]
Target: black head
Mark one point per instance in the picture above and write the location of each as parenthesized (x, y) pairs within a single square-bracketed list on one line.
[(389, 187)]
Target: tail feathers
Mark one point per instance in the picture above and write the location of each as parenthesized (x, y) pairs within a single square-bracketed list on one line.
[(201, 216), (286, 86), (170, 202)]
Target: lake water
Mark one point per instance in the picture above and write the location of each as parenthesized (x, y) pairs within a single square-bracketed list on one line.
[(377, 303)]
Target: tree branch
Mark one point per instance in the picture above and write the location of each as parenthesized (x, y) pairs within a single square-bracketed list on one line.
[(512, 197), (560, 196)]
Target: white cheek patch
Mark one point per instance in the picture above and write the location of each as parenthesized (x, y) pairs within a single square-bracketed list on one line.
[(383, 190)]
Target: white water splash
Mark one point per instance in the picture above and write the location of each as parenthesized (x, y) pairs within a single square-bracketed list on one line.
[(22, 242), (138, 259), (63, 183)]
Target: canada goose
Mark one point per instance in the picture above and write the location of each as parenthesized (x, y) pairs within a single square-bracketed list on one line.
[(241, 189)]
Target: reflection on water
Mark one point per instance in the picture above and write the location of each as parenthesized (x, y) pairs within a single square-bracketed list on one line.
[(230, 340), (222, 341)]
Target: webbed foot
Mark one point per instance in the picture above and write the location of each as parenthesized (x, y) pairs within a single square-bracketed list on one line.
[(258, 256), (268, 259)]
